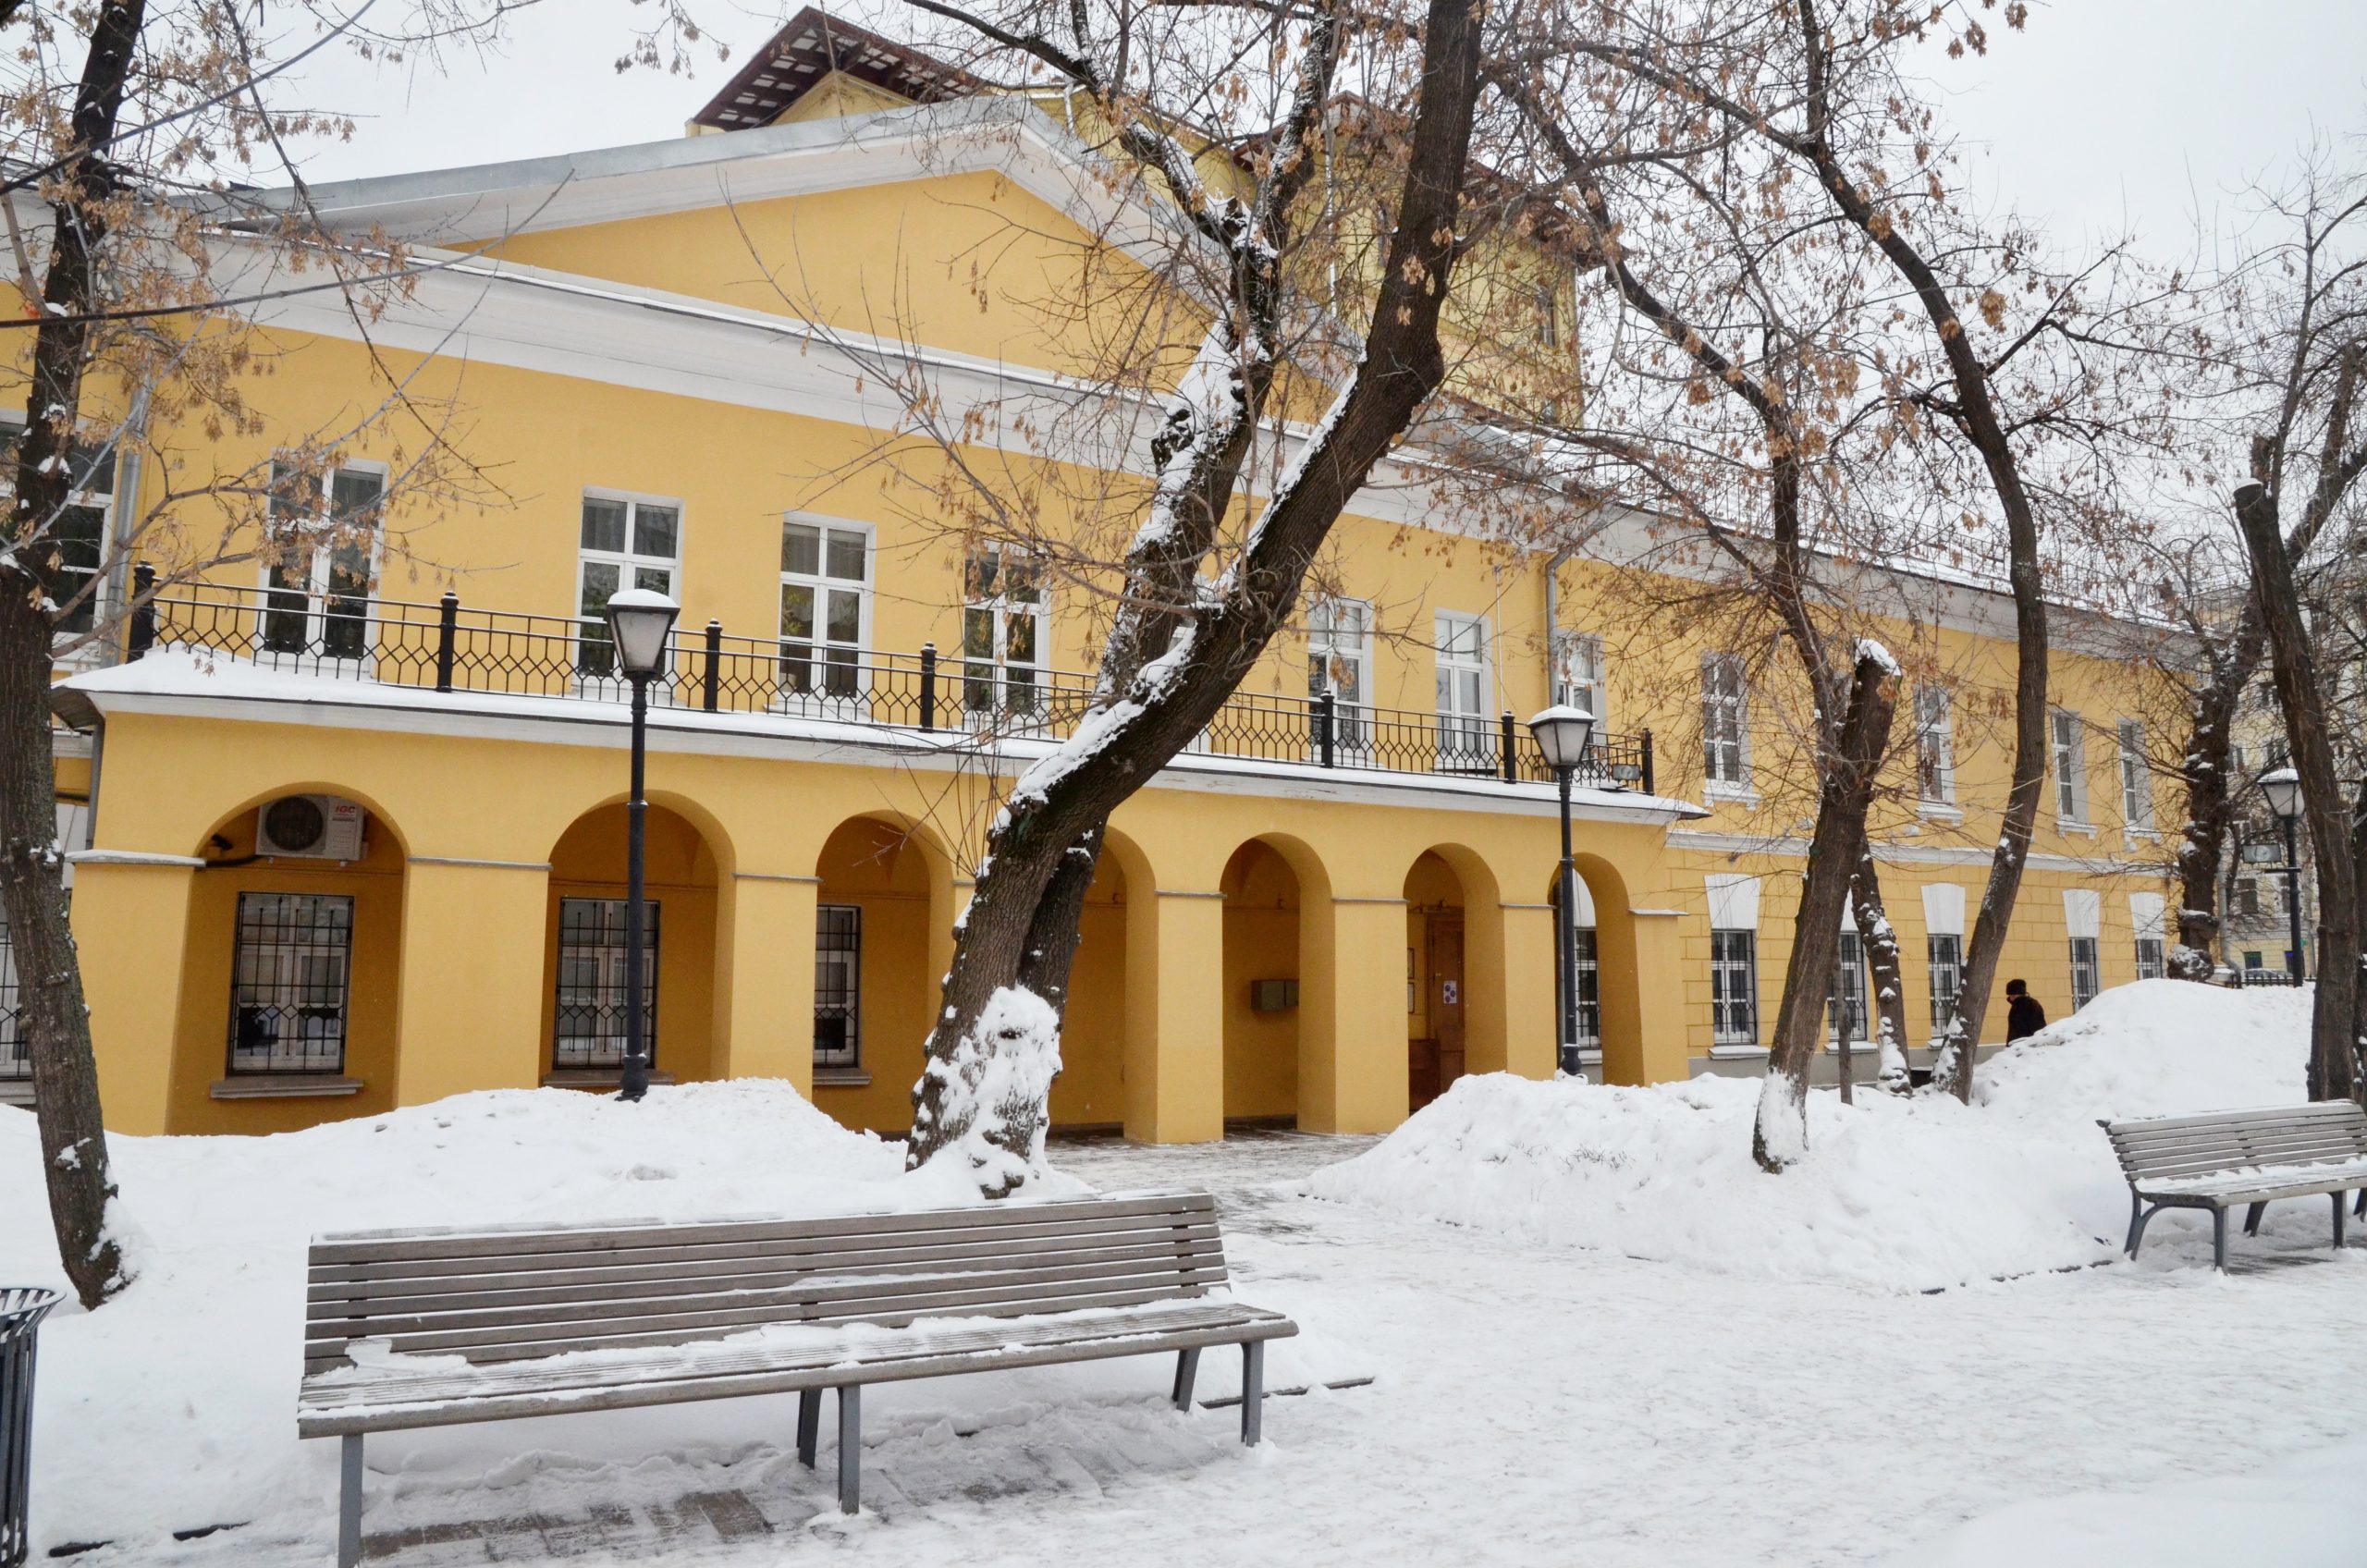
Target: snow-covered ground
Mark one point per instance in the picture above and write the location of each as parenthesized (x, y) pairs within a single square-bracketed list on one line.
[(1627, 1348)]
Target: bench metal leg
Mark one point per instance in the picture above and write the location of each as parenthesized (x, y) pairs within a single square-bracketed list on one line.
[(2340, 1210), (1253, 1392), (1187, 1366), (2359, 1209), (349, 1501), (2219, 1239), (850, 1449), (2136, 1223), (809, 1425), (2251, 1219), (2136, 1227)]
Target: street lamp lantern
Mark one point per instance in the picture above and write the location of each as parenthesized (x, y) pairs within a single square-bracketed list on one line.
[(639, 621), (2283, 788), (1562, 734)]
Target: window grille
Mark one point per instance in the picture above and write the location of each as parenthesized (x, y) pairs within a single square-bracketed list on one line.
[(1589, 992), (1944, 953), (1733, 987), (2085, 977), (15, 1056), (2151, 963), (289, 983), (838, 986), (589, 1019), (1851, 1001)]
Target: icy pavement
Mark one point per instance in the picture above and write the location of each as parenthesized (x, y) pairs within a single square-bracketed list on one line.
[(1533, 1405)]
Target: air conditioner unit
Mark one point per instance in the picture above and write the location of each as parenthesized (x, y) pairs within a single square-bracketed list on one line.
[(311, 827)]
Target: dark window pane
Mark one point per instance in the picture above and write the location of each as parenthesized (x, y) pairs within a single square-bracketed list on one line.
[(846, 555), (604, 525), (801, 549), (655, 531)]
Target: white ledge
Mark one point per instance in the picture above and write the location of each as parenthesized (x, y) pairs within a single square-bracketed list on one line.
[(285, 1086), (130, 857)]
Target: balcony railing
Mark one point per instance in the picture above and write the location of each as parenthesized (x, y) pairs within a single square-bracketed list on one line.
[(443, 647)]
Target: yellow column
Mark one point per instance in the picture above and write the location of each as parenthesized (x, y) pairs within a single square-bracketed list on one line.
[(130, 917), (1175, 1023), (763, 984), (1659, 996), (1530, 1024), (472, 987), (1352, 1073)]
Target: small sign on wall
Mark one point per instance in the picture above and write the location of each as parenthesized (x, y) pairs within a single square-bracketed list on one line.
[(1272, 996)]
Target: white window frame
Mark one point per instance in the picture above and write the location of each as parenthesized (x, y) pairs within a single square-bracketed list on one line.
[(833, 685), (2067, 759), (1467, 740), (2135, 779), (996, 662), (2086, 962), (1935, 746), (1579, 677), (313, 649), (630, 564), (1725, 757), (98, 603), (1328, 647), (1947, 961), (849, 1063), (1724, 998)]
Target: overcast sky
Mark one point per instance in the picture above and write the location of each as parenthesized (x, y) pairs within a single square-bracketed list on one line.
[(2104, 115)]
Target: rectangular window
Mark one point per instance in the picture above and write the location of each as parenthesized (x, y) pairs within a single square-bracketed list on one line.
[(1733, 987), (1590, 991), (16, 1058), (2071, 768), (1944, 954), (1467, 730), (77, 538), (1725, 721), (626, 542), (1549, 317), (2247, 899), (1002, 634), (1339, 661), (1578, 675), (289, 973), (2136, 779), (838, 986), (323, 562), (2087, 978), (1935, 746), (2151, 963), (1849, 1006), (824, 608), (588, 1022)]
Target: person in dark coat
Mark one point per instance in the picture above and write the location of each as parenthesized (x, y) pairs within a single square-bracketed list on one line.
[(2023, 1015)]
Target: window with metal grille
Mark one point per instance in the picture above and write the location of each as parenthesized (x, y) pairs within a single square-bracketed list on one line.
[(15, 1057), (1733, 987), (837, 986), (322, 561), (1944, 954), (2086, 976), (1724, 721), (2151, 963), (289, 983), (825, 606), (1851, 998), (588, 1023), (1589, 992), (627, 543)]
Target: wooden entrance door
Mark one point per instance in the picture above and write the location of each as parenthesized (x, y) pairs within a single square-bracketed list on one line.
[(1435, 1061)]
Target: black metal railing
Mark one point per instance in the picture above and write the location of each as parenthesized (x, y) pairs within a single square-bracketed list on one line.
[(443, 647), (2245, 977)]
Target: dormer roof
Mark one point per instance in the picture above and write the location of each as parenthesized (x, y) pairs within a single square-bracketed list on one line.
[(805, 53)]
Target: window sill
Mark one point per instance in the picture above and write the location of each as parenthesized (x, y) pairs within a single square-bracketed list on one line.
[(1731, 794), (285, 1086), (1940, 811), (2080, 830), (594, 1078), (1738, 1053), (841, 1078)]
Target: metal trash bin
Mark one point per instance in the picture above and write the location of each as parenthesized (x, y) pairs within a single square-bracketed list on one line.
[(22, 1310)]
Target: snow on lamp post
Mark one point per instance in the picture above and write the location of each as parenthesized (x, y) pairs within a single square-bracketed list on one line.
[(2283, 788), (1562, 734), (639, 622)]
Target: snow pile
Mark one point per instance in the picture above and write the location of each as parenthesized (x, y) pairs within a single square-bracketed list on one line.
[(1902, 1194), (187, 1384)]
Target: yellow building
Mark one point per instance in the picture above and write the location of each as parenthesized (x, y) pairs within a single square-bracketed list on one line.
[(356, 842)]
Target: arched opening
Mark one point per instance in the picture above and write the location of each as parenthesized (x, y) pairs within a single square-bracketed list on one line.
[(1263, 1018), (292, 968), (1610, 1010), (1588, 964), (1091, 1089), (583, 1027), (1439, 1002), (882, 938)]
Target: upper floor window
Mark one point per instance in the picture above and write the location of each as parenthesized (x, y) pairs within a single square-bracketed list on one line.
[(1467, 735), (824, 607), (1725, 728), (1578, 675), (323, 562), (1002, 631), (77, 537), (1339, 664), (2070, 759), (2136, 779), (1549, 317), (628, 542), (1935, 746)]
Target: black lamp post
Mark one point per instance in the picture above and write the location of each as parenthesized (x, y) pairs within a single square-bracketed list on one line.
[(639, 622), (2283, 788), (1562, 734)]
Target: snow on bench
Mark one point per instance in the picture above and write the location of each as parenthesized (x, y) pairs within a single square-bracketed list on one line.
[(434, 1328), (2248, 1157)]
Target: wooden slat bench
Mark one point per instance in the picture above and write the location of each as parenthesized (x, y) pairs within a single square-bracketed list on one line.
[(434, 1328), (2240, 1156)]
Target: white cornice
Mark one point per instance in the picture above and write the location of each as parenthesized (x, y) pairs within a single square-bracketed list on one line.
[(1794, 848)]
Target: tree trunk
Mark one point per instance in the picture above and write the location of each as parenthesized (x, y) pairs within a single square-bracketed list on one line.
[(2334, 1024), (2209, 808), (1779, 1134), (1887, 974)]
